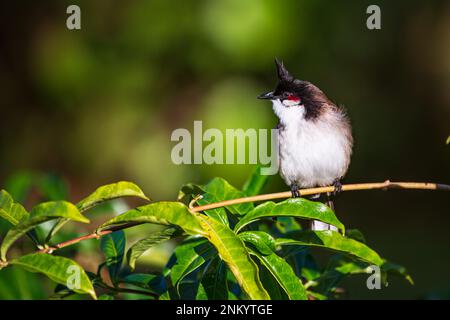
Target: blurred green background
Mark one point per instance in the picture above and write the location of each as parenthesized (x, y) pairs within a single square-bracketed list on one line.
[(98, 105)]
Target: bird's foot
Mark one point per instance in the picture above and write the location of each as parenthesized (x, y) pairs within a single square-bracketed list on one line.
[(294, 190), (337, 187)]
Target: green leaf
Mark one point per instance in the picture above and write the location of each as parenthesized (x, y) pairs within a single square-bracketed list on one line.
[(201, 293), (187, 257), (52, 186), (110, 192), (232, 250), (393, 268), (58, 269), (19, 184), (189, 288), (297, 207), (287, 224), (278, 267), (271, 284), (448, 140), (332, 240), (11, 211), (140, 279), (190, 189), (102, 194), (219, 189), (316, 296), (154, 282), (339, 266), (214, 281), (262, 241), (140, 247), (164, 213), (113, 247), (219, 214), (41, 213), (356, 235), (165, 296), (19, 284), (255, 182), (199, 192)]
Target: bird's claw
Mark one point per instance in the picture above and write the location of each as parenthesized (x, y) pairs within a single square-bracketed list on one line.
[(337, 187), (295, 192)]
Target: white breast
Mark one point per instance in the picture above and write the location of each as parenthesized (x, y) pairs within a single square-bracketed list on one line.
[(312, 152)]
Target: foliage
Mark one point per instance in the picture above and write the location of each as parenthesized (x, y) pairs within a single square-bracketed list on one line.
[(242, 251)]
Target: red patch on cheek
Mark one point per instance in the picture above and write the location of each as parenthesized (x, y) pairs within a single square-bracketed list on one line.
[(293, 98)]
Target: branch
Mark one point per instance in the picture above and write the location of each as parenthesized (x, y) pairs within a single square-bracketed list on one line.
[(93, 235), (263, 197), (310, 191)]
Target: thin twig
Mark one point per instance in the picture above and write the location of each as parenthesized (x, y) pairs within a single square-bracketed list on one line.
[(93, 235), (263, 197), (310, 191)]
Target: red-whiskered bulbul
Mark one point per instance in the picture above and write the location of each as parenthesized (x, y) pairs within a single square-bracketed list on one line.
[(314, 138)]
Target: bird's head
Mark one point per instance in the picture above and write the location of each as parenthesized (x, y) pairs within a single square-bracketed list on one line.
[(294, 93)]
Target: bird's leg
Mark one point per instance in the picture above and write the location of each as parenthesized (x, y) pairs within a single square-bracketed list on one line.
[(294, 191), (329, 201), (337, 187), (330, 204)]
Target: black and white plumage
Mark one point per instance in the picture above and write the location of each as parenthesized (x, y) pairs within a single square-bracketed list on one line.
[(315, 140)]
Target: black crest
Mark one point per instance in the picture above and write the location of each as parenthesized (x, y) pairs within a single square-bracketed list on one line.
[(283, 74)]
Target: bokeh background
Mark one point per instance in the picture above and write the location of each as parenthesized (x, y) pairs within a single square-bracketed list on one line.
[(83, 108)]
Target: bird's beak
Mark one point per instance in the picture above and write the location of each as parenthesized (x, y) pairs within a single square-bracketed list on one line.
[(267, 96)]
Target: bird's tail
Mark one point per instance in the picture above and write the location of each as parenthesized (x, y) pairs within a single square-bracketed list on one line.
[(319, 225)]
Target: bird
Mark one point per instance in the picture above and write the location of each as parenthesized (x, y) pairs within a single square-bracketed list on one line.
[(314, 137)]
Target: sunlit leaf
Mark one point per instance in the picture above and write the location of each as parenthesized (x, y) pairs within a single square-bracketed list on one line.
[(110, 192), (201, 197), (59, 269), (142, 246), (11, 211), (164, 213), (298, 207), (219, 189), (41, 213), (219, 214), (262, 241), (232, 250), (331, 240), (100, 195), (278, 267)]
